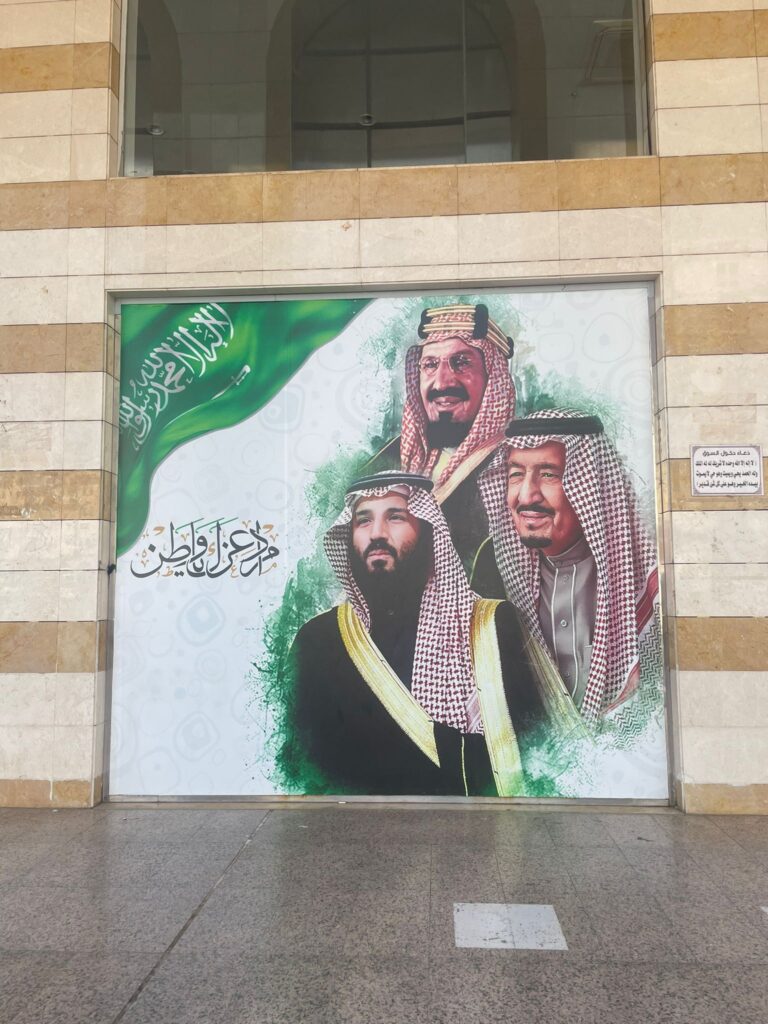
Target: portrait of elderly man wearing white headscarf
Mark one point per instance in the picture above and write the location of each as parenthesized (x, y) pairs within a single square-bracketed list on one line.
[(459, 397), (414, 685), (574, 554)]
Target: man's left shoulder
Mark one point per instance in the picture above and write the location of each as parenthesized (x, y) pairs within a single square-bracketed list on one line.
[(470, 480), (506, 620), (317, 628)]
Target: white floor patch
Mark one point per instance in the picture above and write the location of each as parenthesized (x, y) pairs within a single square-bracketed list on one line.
[(507, 926)]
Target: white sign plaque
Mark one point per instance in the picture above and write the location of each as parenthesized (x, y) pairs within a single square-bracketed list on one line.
[(726, 469)]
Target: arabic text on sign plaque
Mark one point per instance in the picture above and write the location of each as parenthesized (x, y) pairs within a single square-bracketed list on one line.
[(726, 469)]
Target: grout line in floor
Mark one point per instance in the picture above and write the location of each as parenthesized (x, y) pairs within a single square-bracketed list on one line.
[(182, 931)]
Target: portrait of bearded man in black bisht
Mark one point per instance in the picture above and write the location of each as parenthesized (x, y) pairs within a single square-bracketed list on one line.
[(386, 697)]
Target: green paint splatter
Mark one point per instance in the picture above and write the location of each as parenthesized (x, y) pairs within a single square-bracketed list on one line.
[(313, 588), (554, 767), (552, 391), (310, 590)]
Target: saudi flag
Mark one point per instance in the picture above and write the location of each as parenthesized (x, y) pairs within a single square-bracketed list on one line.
[(190, 369)]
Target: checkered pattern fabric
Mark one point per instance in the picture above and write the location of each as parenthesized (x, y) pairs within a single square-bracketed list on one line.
[(443, 680), (602, 497), (497, 408)]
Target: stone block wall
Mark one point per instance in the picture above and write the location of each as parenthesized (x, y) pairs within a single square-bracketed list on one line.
[(691, 217)]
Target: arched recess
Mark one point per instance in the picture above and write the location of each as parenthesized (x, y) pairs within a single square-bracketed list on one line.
[(278, 98), (517, 25), (157, 88), (165, 58), (510, 27)]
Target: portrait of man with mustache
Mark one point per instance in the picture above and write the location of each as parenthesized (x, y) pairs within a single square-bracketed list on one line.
[(575, 554), (459, 397)]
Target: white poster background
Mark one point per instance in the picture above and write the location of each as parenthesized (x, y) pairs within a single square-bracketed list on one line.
[(185, 720)]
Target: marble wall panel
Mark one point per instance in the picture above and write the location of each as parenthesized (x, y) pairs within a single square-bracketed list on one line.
[(734, 755), (598, 234), (684, 131), (32, 445), (716, 380), (721, 589), (508, 237), (724, 700), (723, 424), (26, 751), (718, 278), (723, 227), (697, 6), (32, 397), (706, 83), (41, 300), (86, 252), (29, 596), (27, 698), (83, 446), (73, 751), (32, 545), (738, 536), (38, 24), (46, 158), (310, 245), (409, 241), (35, 114), (218, 248)]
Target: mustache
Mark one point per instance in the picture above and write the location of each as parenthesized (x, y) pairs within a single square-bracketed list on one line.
[(379, 545), (535, 508), (453, 392)]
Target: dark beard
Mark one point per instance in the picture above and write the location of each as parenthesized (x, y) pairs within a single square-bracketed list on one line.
[(445, 433), (535, 542), (401, 589)]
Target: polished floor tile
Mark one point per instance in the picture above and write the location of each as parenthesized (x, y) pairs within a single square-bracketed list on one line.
[(81, 920), (716, 930), (88, 989), (198, 989), (350, 913)]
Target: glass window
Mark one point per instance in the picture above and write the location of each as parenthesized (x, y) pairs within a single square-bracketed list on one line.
[(247, 85)]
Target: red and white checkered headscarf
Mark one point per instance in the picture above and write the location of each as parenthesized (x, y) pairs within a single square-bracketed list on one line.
[(604, 501), (496, 409), (443, 680)]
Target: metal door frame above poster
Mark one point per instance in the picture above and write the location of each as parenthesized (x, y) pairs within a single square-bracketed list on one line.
[(117, 298), (296, 800)]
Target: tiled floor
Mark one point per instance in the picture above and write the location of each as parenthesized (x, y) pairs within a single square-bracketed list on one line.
[(348, 914)]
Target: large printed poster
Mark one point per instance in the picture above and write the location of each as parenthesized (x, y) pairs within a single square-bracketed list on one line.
[(388, 546)]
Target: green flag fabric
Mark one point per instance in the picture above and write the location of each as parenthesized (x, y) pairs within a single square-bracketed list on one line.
[(191, 368)]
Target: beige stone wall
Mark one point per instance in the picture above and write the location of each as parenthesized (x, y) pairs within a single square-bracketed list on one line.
[(692, 217), (59, 74)]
